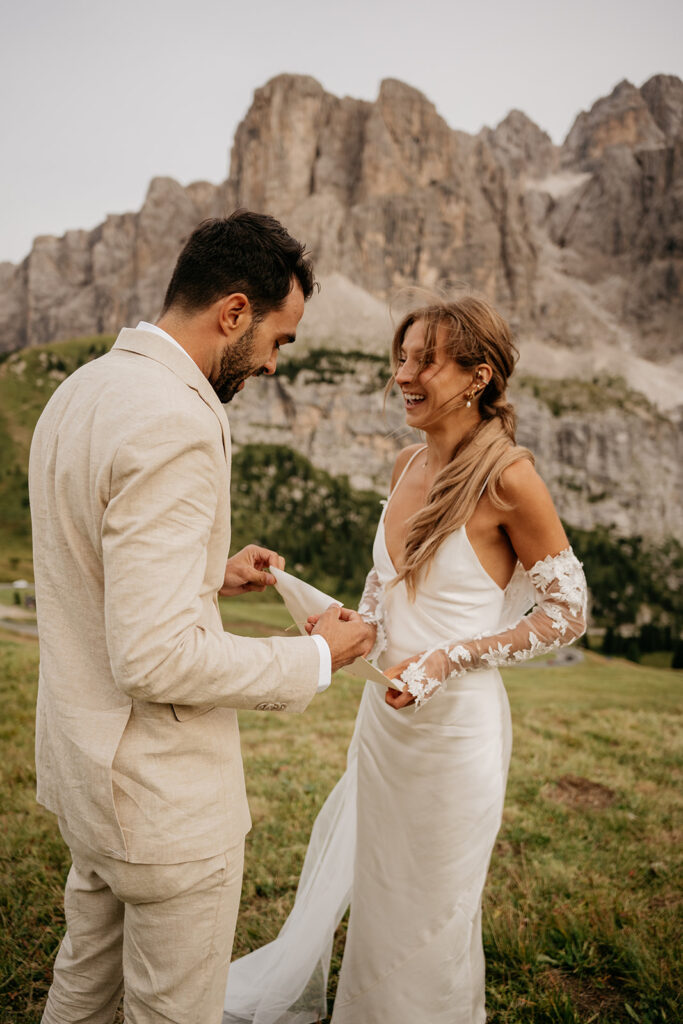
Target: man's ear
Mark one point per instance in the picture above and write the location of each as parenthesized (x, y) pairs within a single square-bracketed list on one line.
[(234, 313)]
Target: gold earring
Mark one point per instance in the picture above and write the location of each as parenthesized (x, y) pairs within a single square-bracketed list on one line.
[(474, 390)]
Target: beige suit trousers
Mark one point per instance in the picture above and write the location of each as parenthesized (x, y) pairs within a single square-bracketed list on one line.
[(161, 934)]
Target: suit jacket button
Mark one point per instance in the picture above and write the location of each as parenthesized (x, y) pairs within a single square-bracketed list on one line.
[(271, 706)]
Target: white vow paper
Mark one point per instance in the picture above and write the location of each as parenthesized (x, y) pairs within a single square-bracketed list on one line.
[(303, 600)]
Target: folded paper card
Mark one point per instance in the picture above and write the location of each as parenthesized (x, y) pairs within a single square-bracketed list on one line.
[(303, 600)]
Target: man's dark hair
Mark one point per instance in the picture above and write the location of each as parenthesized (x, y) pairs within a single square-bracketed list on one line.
[(245, 252)]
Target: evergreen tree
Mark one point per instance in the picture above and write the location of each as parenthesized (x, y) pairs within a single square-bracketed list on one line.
[(632, 650), (677, 661), (609, 642)]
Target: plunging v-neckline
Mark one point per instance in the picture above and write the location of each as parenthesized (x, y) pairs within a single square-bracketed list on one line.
[(478, 562), (383, 517), (460, 529)]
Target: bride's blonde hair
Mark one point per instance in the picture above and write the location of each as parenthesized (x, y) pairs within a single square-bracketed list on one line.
[(473, 333)]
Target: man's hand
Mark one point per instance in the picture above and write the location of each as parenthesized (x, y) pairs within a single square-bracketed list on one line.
[(245, 571), (347, 635)]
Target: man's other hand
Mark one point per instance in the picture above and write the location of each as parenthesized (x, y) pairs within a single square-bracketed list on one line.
[(347, 635), (247, 570)]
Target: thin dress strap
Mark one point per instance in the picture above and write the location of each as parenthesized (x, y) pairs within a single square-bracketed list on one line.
[(484, 486), (405, 470), (403, 473)]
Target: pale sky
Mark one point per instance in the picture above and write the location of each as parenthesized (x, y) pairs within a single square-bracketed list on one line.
[(96, 98)]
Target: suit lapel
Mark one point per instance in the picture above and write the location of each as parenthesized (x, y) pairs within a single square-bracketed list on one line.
[(145, 343)]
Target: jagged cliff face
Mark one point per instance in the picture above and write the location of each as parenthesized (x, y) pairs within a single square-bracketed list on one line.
[(579, 244), (385, 193), (618, 222), (94, 282)]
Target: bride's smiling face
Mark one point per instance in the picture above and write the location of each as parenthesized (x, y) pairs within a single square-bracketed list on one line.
[(428, 395)]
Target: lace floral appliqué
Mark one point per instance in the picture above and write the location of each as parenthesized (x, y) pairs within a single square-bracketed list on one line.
[(558, 617), (371, 610)]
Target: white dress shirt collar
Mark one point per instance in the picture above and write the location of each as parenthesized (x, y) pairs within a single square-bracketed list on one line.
[(144, 326)]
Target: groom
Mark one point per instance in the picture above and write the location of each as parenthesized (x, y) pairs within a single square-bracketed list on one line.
[(137, 748)]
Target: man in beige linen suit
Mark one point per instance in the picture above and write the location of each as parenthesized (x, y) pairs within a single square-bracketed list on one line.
[(137, 747)]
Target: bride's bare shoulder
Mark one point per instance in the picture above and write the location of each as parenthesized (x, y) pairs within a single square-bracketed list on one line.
[(525, 494), (530, 519), (402, 460), (520, 482)]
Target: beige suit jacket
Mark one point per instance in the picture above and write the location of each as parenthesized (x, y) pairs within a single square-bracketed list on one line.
[(137, 746)]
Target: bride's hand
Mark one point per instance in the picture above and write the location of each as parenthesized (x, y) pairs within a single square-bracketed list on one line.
[(421, 674), (395, 697)]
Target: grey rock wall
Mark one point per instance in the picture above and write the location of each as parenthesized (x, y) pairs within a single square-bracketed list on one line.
[(607, 466)]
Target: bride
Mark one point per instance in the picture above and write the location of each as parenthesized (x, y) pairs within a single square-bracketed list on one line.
[(468, 542)]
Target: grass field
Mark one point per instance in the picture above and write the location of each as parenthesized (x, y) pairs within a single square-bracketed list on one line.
[(582, 908)]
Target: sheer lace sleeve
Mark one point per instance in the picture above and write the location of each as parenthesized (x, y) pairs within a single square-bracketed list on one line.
[(371, 610), (559, 616)]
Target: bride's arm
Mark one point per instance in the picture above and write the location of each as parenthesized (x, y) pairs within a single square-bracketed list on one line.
[(559, 614), (371, 611)]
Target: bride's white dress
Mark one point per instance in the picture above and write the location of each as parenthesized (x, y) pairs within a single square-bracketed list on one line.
[(430, 797), (424, 790)]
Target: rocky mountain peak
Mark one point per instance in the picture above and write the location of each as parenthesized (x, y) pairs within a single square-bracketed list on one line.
[(522, 145), (408, 144), (275, 144), (386, 195), (394, 91), (621, 119), (664, 97)]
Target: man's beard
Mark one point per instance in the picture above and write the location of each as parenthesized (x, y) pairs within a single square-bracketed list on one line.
[(236, 365)]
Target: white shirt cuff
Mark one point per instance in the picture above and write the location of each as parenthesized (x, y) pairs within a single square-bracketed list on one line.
[(325, 671)]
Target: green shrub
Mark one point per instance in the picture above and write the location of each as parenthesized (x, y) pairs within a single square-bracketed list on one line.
[(569, 395), (328, 366)]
